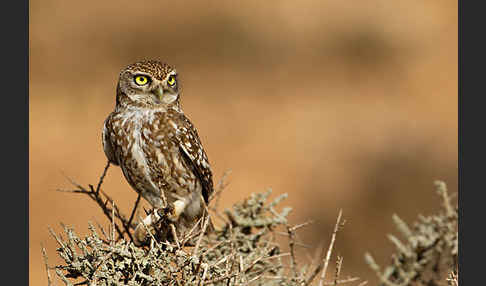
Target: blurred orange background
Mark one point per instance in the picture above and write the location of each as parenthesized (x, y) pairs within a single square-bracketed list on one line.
[(340, 104)]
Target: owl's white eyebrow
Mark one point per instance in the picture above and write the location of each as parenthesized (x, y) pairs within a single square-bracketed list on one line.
[(141, 73)]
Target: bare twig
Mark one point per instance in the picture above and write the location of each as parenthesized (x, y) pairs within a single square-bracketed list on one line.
[(63, 277), (242, 252), (293, 243), (442, 190), (244, 270), (452, 279), (134, 210), (339, 263), (58, 239), (120, 216), (293, 263), (201, 282), (363, 283), (190, 234), (102, 231), (44, 255), (174, 234), (92, 194), (301, 225), (95, 194), (98, 187), (112, 223), (343, 281), (329, 250), (221, 185), (196, 249)]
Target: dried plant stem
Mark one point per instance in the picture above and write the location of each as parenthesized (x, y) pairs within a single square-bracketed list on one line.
[(339, 263), (198, 243), (342, 281), (452, 279), (293, 262), (220, 187), (430, 250), (243, 251), (134, 210), (205, 266), (329, 250), (98, 187), (44, 255), (174, 234), (96, 195), (112, 223)]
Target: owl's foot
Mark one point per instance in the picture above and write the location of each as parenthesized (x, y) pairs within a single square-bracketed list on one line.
[(154, 219), (148, 224), (141, 235)]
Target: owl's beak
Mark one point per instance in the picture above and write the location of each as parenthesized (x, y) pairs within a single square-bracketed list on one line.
[(159, 92)]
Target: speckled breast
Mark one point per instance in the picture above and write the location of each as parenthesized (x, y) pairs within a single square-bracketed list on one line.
[(131, 152)]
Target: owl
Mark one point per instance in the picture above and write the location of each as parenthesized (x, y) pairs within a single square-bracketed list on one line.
[(157, 147)]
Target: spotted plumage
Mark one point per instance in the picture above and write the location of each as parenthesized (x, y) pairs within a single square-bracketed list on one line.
[(156, 145)]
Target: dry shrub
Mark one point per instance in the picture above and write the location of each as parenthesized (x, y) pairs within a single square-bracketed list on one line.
[(430, 251), (242, 251)]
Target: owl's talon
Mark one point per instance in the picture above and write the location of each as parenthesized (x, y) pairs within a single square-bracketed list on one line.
[(146, 211), (167, 211), (141, 235)]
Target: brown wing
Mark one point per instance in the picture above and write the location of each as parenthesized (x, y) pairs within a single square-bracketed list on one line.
[(106, 135), (193, 153)]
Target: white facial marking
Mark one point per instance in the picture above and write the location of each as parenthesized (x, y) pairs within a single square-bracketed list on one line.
[(169, 98)]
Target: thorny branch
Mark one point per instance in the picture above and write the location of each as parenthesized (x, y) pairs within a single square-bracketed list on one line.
[(46, 263), (242, 251), (97, 196), (325, 261), (331, 246), (134, 210)]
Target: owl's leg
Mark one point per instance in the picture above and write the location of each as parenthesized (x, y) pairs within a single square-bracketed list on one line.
[(190, 206), (172, 213), (179, 207)]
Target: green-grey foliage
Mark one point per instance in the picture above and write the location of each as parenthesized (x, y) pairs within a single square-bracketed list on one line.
[(429, 253), (241, 252)]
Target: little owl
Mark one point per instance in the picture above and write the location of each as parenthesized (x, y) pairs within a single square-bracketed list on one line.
[(157, 147)]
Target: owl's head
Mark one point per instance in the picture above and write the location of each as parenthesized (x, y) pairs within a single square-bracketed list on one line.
[(148, 83)]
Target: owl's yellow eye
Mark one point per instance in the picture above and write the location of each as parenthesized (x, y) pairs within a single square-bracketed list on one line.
[(141, 80), (171, 80)]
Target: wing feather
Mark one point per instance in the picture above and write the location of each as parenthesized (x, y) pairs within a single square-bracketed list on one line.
[(194, 155), (106, 140)]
